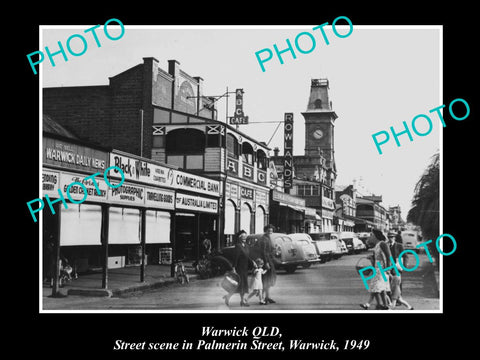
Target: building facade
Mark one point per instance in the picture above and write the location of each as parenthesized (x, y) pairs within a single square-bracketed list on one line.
[(346, 208), (166, 117), (158, 209), (315, 172)]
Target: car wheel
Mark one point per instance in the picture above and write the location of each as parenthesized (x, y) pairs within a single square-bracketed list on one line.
[(307, 265), (290, 269)]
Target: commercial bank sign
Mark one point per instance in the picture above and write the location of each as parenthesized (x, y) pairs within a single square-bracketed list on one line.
[(153, 174)]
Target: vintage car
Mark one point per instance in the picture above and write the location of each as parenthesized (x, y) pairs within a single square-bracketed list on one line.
[(351, 241), (306, 246), (358, 245), (363, 236), (341, 246), (326, 246), (410, 239), (286, 253)]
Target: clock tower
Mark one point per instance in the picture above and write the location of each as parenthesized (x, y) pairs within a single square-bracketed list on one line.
[(319, 123)]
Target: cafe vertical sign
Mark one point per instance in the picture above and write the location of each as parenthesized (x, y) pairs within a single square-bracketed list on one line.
[(288, 151)]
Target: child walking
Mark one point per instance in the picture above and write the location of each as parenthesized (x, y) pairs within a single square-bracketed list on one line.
[(396, 296), (257, 285)]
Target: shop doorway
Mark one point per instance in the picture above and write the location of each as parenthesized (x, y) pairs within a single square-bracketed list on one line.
[(190, 232), (185, 237)]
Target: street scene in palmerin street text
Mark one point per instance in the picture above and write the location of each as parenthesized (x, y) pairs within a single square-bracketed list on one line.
[(232, 168)]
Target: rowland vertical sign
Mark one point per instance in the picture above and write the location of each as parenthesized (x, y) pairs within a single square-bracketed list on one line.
[(288, 151)]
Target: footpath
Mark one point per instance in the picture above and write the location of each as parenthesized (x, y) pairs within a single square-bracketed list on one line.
[(120, 281)]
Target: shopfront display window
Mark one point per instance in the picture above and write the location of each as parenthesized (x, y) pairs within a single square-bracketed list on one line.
[(80, 225), (124, 226)]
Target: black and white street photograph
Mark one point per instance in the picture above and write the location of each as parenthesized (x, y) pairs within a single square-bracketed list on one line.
[(241, 168)]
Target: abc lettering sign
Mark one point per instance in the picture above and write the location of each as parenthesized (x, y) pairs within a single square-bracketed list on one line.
[(288, 151), (239, 117)]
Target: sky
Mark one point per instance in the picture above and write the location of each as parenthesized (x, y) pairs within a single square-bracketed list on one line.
[(379, 76)]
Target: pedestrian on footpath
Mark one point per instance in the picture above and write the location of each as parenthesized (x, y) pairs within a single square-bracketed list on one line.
[(266, 254), (240, 267), (377, 286)]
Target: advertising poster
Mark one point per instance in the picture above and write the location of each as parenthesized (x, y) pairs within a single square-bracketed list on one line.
[(377, 253)]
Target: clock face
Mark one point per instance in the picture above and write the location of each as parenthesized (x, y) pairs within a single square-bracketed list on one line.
[(318, 134)]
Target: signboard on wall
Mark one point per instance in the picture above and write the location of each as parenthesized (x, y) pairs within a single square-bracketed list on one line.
[(288, 151), (78, 185), (50, 183), (196, 203), (72, 156), (154, 174), (159, 198)]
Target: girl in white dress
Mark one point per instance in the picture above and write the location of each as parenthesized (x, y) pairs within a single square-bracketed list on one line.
[(257, 285)]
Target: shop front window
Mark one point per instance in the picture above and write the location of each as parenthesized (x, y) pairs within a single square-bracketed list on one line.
[(245, 217), (259, 219)]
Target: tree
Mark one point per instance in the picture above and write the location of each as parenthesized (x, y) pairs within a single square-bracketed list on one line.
[(426, 202)]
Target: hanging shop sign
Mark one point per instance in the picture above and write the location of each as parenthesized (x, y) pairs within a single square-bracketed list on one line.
[(288, 151), (239, 117), (196, 203), (273, 174), (81, 188), (72, 156), (154, 174)]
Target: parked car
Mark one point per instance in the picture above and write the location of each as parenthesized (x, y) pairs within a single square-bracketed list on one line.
[(348, 237), (341, 246), (325, 245), (364, 236), (410, 239), (305, 245), (358, 245), (286, 254)]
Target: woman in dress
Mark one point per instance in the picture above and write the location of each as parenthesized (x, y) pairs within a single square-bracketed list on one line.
[(270, 277), (377, 286), (240, 266)]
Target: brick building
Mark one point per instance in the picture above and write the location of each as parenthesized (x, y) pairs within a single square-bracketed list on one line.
[(165, 116)]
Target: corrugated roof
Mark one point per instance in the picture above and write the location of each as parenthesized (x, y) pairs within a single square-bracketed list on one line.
[(52, 127)]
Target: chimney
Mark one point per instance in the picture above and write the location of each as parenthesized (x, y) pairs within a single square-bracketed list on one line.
[(199, 93), (174, 70), (276, 151)]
